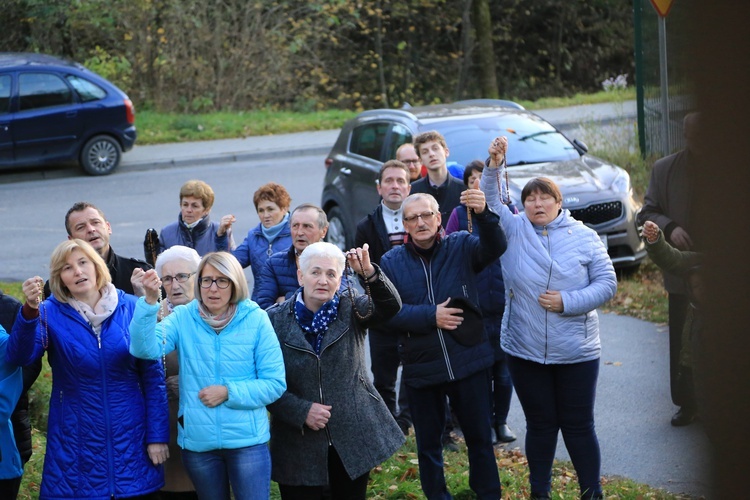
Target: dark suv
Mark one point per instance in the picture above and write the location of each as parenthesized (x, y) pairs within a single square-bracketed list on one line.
[(55, 111), (596, 193)]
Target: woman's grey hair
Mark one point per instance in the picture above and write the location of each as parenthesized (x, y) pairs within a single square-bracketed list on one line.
[(226, 264), (420, 196), (176, 253), (322, 249)]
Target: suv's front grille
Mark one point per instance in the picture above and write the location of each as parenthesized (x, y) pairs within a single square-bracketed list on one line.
[(599, 213)]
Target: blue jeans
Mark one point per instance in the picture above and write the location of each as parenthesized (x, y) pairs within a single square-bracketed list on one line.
[(470, 400), (559, 398), (248, 470)]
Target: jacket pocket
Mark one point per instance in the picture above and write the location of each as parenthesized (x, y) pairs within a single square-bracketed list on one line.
[(367, 389)]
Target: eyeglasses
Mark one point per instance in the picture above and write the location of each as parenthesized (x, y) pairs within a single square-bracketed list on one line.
[(179, 278), (222, 283), (425, 216), (415, 162)]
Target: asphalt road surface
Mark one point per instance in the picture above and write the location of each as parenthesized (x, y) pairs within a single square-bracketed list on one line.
[(633, 405)]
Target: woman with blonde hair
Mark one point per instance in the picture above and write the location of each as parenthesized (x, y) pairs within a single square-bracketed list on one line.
[(231, 367), (108, 422)]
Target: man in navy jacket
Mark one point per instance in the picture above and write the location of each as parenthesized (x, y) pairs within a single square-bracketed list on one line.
[(440, 356)]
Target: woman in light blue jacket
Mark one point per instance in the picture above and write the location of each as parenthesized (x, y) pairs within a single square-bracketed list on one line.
[(556, 272), (231, 367)]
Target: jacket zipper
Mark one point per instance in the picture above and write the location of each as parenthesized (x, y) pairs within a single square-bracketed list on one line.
[(428, 278), (545, 232), (364, 384), (320, 376), (107, 417)]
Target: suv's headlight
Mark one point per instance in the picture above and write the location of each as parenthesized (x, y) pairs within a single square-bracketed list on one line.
[(621, 184)]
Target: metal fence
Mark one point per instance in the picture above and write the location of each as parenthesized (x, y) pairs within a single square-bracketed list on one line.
[(651, 104)]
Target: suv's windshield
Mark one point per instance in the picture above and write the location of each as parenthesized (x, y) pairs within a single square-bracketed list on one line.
[(530, 140)]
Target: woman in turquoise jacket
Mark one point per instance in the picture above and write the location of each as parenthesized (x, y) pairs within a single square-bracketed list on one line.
[(231, 367)]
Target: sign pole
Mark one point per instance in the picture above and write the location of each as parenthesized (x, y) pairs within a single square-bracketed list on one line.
[(664, 77)]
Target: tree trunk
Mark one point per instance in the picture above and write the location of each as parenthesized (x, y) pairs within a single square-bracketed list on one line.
[(485, 53)]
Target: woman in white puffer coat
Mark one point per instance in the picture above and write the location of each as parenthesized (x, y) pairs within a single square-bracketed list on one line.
[(557, 272)]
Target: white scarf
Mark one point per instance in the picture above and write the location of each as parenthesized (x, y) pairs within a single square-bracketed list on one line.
[(102, 310)]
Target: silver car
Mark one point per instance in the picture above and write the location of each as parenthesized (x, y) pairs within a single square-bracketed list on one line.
[(597, 193)]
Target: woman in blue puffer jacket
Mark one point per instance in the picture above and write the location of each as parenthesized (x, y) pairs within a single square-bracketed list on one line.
[(108, 425), (272, 235), (231, 367), (557, 272)]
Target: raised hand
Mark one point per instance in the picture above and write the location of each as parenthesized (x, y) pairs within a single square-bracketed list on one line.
[(152, 286), (497, 150), (357, 255), (650, 231), (225, 223), (474, 199), (33, 289)]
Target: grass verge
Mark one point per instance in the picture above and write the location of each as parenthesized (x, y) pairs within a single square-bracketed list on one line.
[(158, 128)]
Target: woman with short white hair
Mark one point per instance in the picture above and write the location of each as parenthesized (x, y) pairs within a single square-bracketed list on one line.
[(330, 427), (176, 267)]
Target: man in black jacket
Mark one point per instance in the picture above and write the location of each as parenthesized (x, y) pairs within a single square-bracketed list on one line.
[(86, 222), (382, 230)]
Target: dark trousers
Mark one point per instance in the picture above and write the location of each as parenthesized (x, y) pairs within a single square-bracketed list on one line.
[(9, 488), (502, 390), (341, 487), (559, 398), (680, 381), (469, 400), (385, 360)]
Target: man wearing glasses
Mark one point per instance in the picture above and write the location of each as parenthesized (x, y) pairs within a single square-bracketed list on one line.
[(408, 156), (444, 348)]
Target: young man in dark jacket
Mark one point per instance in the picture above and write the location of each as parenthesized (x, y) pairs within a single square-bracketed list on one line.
[(436, 278)]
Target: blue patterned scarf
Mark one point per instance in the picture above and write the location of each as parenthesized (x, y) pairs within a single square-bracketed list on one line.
[(315, 325)]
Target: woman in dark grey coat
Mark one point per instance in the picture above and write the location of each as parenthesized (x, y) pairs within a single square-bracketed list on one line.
[(330, 427)]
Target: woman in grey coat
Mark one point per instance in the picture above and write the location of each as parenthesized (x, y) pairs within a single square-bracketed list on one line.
[(330, 427)]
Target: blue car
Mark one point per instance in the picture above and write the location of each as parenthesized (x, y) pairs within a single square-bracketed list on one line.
[(56, 111)]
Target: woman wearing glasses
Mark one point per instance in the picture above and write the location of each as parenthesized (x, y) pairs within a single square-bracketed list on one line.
[(231, 367), (176, 267)]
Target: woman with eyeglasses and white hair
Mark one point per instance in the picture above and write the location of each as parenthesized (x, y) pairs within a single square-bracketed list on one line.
[(231, 367), (330, 427), (176, 267)]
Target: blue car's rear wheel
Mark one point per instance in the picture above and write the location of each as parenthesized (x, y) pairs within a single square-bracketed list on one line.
[(101, 155)]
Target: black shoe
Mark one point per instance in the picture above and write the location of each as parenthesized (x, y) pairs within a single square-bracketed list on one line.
[(535, 496), (450, 444), (683, 417), (503, 434)]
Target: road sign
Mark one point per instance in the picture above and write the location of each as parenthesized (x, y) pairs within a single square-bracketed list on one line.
[(662, 6)]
